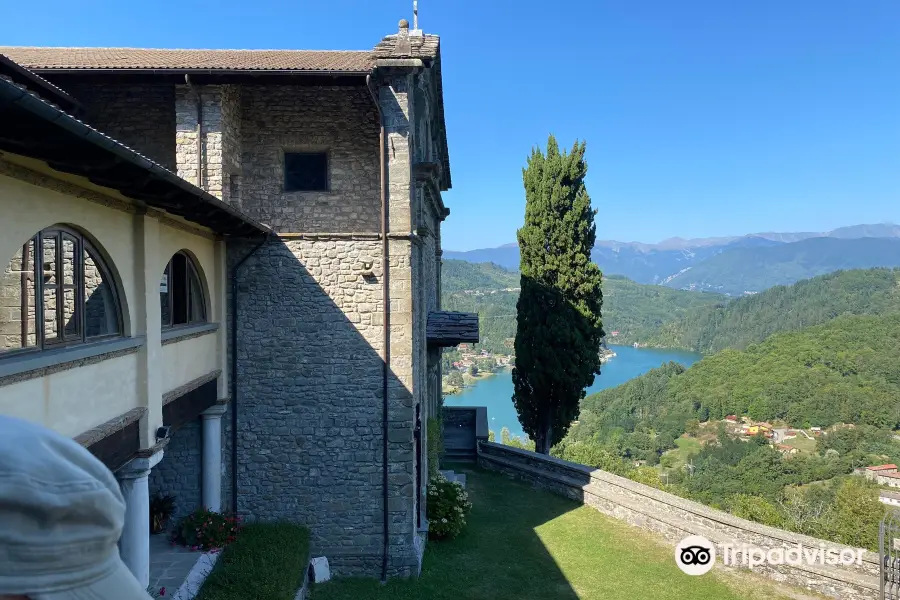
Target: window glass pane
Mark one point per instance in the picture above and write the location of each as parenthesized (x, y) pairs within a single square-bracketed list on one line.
[(101, 314), (179, 290), (68, 296), (68, 258), (51, 285), (17, 301), (198, 306), (305, 171), (164, 291), (70, 317)]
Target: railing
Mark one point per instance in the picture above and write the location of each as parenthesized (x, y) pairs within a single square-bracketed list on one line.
[(889, 549)]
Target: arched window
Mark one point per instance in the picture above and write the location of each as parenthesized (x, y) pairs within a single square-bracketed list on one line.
[(181, 294), (57, 291)]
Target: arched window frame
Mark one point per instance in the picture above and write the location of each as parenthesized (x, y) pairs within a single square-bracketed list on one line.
[(37, 271), (190, 302)]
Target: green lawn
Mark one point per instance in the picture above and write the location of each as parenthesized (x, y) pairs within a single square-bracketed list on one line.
[(686, 448), (267, 562), (803, 443), (524, 543)]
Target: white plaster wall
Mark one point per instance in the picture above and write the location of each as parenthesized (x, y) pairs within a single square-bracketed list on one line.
[(80, 398), (26, 209), (187, 360), (75, 400)]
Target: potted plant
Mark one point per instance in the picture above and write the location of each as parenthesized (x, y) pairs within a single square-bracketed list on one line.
[(161, 509)]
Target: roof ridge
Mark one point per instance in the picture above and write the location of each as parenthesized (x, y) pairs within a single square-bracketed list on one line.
[(177, 49)]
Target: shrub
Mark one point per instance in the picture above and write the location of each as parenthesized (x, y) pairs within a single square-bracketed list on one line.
[(204, 530), (594, 455), (267, 562), (435, 445), (647, 476), (755, 508), (161, 508), (448, 506)]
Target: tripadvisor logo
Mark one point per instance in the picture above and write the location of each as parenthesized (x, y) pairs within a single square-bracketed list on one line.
[(695, 555)]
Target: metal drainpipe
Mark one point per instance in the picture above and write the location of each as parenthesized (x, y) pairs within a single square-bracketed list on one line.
[(196, 92), (234, 377), (386, 301)]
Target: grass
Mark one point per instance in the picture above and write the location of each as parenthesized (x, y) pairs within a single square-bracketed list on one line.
[(686, 448), (802, 443), (525, 543), (267, 562)]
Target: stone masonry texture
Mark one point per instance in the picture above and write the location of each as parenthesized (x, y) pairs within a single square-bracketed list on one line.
[(140, 116), (340, 121), (309, 377), (179, 472)]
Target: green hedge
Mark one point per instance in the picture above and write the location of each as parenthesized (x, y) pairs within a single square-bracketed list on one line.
[(267, 562)]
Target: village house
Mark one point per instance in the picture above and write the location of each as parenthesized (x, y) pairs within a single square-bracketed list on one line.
[(889, 498), (883, 475), (223, 278)]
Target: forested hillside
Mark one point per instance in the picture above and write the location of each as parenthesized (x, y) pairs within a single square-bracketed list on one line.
[(754, 269), (635, 311), (459, 275), (843, 371), (744, 321)]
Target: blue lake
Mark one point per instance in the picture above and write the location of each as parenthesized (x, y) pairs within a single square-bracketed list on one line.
[(496, 391)]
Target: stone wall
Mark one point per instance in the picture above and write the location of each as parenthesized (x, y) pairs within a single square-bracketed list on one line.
[(675, 518), (310, 401), (140, 116), (179, 472), (221, 144), (341, 121)]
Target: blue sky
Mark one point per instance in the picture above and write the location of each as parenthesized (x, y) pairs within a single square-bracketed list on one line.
[(702, 117)]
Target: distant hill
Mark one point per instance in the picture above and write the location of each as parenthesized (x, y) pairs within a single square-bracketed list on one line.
[(737, 271), (656, 263), (458, 275), (633, 310), (842, 371), (751, 319)]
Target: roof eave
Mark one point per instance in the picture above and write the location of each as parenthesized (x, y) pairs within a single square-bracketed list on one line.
[(200, 207), (182, 71)]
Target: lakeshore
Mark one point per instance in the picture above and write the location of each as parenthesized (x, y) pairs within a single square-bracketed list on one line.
[(496, 390)]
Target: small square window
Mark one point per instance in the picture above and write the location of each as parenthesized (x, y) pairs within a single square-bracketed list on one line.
[(305, 172)]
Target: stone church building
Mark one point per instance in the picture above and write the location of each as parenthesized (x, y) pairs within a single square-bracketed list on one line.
[(222, 276)]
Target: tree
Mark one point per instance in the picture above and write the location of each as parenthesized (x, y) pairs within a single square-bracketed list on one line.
[(455, 379), (473, 370), (558, 323), (692, 427)]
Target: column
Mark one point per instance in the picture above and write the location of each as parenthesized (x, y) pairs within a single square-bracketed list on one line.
[(211, 483), (134, 545)]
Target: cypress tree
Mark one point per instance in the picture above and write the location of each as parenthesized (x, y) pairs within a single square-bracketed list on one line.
[(558, 324)]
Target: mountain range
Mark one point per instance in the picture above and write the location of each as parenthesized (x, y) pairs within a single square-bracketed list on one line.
[(732, 265)]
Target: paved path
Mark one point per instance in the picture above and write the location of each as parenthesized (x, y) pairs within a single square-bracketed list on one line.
[(169, 565)]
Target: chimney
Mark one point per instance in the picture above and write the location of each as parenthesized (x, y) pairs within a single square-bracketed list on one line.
[(402, 46)]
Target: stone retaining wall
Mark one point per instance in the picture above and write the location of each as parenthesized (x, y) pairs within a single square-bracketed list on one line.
[(675, 518)]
